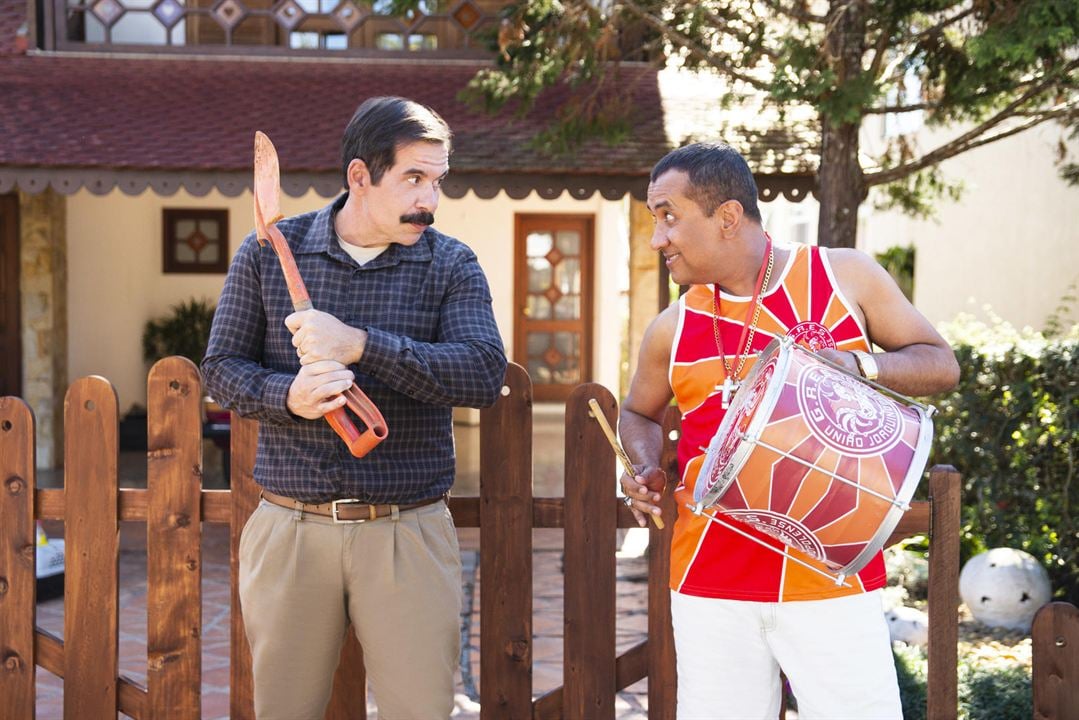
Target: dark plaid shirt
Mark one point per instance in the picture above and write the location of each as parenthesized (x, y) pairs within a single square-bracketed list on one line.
[(432, 344)]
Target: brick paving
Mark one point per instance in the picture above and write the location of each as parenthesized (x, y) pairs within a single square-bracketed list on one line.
[(631, 591)]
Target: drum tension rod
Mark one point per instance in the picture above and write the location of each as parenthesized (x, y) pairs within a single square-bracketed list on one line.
[(856, 485)]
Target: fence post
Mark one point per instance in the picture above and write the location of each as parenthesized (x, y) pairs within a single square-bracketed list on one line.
[(17, 559), (92, 545), (174, 540), (245, 496), (591, 520), (943, 600), (662, 675), (1055, 671), (506, 551)]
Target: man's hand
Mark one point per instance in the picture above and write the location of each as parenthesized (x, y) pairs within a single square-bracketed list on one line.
[(842, 358), (320, 336), (317, 389), (645, 490)]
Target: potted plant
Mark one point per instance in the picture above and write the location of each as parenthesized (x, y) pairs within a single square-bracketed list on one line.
[(185, 331)]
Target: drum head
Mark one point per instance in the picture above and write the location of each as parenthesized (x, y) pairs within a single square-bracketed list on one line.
[(749, 411)]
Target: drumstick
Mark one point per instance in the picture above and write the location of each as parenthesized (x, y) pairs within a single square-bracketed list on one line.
[(618, 451)]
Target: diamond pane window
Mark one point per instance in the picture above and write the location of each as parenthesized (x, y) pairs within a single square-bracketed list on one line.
[(422, 41), (195, 240), (168, 12), (390, 41), (569, 242), (107, 11), (539, 244), (539, 275), (466, 15)]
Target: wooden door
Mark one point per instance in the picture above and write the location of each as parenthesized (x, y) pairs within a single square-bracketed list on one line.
[(553, 292), (10, 327)]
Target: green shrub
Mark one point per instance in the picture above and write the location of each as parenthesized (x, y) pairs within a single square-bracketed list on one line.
[(910, 669), (987, 690), (1000, 692), (184, 331), (1011, 429), (899, 262)]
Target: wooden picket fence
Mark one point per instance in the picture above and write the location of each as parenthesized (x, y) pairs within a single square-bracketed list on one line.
[(174, 506)]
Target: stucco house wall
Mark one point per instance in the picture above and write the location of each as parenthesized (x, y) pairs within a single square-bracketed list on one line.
[(1011, 242), (116, 284)]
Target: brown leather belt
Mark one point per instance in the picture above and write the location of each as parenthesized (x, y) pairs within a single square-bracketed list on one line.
[(346, 510)]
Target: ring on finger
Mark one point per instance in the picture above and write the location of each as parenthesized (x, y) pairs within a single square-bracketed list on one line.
[(627, 501)]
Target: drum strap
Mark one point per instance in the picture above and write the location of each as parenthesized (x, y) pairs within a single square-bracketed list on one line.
[(731, 381)]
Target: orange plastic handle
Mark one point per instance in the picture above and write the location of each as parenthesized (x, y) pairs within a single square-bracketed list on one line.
[(359, 444)]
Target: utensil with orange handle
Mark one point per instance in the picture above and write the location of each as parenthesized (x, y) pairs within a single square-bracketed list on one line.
[(267, 190)]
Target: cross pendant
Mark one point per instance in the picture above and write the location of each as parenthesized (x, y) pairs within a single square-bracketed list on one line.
[(728, 388)]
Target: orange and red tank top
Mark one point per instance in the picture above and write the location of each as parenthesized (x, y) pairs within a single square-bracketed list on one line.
[(707, 559)]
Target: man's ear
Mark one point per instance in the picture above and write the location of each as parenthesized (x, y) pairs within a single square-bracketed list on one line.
[(359, 178), (731, 214)]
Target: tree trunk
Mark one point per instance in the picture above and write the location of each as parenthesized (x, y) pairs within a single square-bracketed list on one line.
[(840, 185), (840, 182)]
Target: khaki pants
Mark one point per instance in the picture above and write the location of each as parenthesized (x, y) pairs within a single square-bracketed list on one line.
[(397, 579)]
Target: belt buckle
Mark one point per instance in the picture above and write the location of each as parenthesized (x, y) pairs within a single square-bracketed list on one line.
[(347, 501)]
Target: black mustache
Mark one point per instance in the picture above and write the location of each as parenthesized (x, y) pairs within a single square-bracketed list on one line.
[(420, 218)]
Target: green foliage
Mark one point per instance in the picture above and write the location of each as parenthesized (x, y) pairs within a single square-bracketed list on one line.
[(1000, 692), (184, 331), (988, 690), (1011, 428), (911, 670), (917, 194), (899, 262), (982, 62)]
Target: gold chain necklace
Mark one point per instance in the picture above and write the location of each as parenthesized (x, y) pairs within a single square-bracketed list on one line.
[(731, 381)]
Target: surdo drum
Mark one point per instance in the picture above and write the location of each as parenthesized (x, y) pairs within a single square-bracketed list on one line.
[(821, 459)]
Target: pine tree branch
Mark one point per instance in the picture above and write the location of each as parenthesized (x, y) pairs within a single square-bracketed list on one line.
[(692, 46), (795, 14), (939, 27), (880, 50), (886, 109), (742, 36), (969, 141)]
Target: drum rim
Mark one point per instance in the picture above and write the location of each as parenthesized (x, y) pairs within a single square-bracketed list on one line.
[(760, 417), (906, 491)]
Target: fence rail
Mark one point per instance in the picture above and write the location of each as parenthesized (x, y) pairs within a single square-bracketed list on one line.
[(174, 505)]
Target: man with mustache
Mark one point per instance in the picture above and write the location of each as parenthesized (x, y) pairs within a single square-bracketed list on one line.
[(404, 312)]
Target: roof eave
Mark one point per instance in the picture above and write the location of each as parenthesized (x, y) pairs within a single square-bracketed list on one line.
[(485, 185)]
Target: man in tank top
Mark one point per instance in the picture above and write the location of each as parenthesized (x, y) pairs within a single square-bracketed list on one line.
[(742, 612)]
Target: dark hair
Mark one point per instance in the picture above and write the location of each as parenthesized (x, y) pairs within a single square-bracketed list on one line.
[(382, 124), (717, 173)]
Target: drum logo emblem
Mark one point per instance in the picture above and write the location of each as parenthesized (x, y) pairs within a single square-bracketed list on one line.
[(811, 335), (783, 528), (845, 413)]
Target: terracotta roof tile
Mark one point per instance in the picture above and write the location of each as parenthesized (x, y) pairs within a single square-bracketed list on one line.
[(187, 114), (184, 114)]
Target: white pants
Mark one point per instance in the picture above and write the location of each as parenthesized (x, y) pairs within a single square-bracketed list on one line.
[(836, 653)]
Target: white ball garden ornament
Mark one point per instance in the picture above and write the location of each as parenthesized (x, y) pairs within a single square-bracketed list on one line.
[(1004, 587), (909, 625)]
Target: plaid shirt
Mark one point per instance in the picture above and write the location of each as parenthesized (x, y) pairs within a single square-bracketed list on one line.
[(432, 344)]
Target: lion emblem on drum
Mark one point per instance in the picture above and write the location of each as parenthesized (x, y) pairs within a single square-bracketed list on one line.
[(812, 335), (847, 414)]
